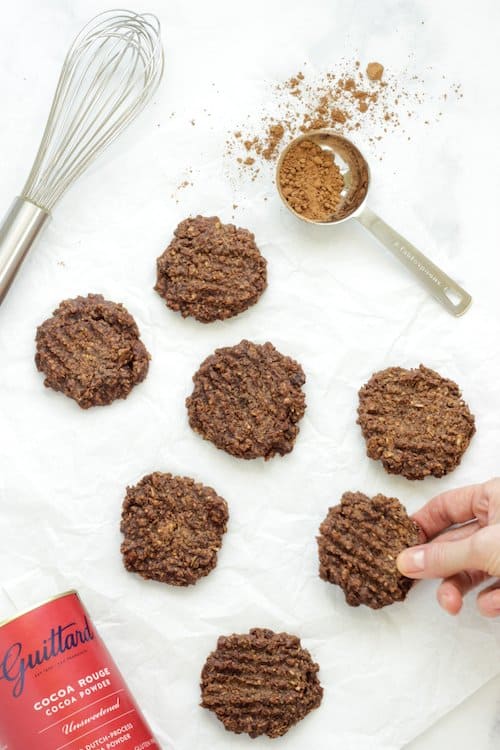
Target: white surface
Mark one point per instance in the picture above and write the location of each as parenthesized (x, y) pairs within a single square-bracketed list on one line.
[(335, 301), (473, 724)]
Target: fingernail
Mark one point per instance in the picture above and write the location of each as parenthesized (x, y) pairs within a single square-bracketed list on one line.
[(496, 599), (411, 561), (444, 597), (445, 600), (495, 603)]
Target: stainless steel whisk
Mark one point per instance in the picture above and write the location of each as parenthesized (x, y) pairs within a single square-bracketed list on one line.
[(110, 72)]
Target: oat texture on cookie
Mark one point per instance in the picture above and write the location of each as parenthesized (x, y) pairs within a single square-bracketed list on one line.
[(247, 400), (358, 544), (173, 528), (260, 683), (210, 270), (414, 421), (90, 350)]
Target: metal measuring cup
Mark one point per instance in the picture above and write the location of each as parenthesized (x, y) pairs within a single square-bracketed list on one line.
[(356, 173)]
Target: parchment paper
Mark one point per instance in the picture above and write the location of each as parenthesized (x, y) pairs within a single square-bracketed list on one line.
[(335, 301)]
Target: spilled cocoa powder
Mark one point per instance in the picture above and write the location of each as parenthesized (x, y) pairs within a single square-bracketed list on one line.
[(374, 71), (345, 99), (311, 181), (274, 135)]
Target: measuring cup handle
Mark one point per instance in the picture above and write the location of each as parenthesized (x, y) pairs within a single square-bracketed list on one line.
[(455, 299)]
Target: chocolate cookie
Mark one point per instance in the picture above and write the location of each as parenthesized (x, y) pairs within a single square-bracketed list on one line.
[(173, 528), (91, 351), (414, 421), (260, 683), (247, 400), (358, 544), (211, 270)]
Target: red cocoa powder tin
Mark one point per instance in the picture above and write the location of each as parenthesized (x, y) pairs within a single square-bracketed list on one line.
[(59, 687)]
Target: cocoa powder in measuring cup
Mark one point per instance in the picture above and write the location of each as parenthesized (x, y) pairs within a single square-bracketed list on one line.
[(311, 181)]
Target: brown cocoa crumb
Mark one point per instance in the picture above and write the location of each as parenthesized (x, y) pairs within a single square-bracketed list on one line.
[(374, 71), (274, 137), (311, 181), (337, 115)]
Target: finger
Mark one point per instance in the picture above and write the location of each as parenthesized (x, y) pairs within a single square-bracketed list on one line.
[(443, 559), (457, 506), (460, 532), (488, 600), (452, 590)]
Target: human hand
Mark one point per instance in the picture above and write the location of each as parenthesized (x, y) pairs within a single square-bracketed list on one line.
[(464, 556)]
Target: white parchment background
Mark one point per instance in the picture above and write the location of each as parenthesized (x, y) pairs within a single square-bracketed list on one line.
[(336, 301)]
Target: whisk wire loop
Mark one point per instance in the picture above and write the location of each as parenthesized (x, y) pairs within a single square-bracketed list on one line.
[(111, 70)]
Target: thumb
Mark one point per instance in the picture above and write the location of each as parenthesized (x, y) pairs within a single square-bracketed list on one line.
[(442, 559)]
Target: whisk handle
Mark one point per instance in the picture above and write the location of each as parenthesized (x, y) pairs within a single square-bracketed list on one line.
[(17, 234)]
